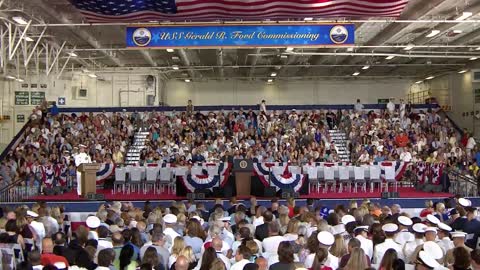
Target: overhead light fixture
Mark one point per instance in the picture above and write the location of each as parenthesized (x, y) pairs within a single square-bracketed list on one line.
[(473, 58), (85, 70), (308, 19), (433, 33), (92, 75), (350, 49), (418, 82), (187, 80), (175, 67), (283, 56), (29, 39), (270, 80), (356, 74), (477, 49), (274, 74), (289, 49), (390, 57), (20, 80), (464, 16), (175, 58), (409, 47), (72, 54), (458, 31), (20, 20), (462, 71), (429, 78), (10, 77), (170, 50), (365, 67)]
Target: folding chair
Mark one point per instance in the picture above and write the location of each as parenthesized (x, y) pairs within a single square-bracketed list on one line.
[(295, 169), (375, 177), (135, 179), (278, 170), (120, 179), (196, 170), (329, 178), (312, 173), (390, 176), (151, 178), (165, 178), (344, 178), (359, 178)]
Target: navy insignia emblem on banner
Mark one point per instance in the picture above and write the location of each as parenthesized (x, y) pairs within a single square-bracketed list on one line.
[(338, 34), (142, 37)]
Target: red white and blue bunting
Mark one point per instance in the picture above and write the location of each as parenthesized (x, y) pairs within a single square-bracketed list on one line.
[(104, 172), (429, 172), (263, 169), (400, 168), (205, 181), (286, 180)]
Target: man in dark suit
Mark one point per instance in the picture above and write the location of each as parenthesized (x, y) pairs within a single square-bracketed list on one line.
[(261, 232)]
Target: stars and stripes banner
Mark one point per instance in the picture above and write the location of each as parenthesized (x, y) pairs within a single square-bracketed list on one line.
[(96, 11), (429, 172)]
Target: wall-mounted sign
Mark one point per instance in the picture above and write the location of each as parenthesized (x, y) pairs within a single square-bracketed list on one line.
[(24, 85), (383, 100), (33, 85), (43, 85), (62, 101), (37, 97), (20, 118), (215, 36), (22, 97)]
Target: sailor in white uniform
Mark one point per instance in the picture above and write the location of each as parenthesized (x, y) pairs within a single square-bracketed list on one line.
[(409, 247), (326, 240), (361, 233), (443, 234), (404, 235), (390, 230), (80, 158)]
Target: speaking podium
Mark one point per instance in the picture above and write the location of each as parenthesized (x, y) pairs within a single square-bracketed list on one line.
[(243, 169), (88, 180)]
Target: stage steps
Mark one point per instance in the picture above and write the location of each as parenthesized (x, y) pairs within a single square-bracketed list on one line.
[(340, 140), (133, 153)]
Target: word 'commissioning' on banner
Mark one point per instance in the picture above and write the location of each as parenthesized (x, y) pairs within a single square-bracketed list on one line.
[(241, 36)]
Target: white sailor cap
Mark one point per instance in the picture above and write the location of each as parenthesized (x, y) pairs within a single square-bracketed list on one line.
[(427, 259), (432, 219), (390, 227), (363, 228), (433, 249), (32, 214), (444, 227), (82, 145), (93, 222), (419, 227), (325, 238), (456, 234), (338, 229), (225, 219), (170, 218), (347, 219), (405, 221), (464, 202), (199, 219), (431, 229)]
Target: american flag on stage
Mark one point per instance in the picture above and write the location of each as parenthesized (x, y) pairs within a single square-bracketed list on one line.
[(154, 10)]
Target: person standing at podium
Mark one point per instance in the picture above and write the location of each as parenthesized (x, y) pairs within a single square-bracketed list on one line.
[(80, 158)]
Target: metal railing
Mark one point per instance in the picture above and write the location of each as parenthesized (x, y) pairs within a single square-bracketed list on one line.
[(461, 184), (16, 192)]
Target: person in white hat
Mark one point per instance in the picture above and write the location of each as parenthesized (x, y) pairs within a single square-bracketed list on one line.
[(326, 240), (170, 221), (81, 158), (37, 226), (458, 241), (361, 233), (430, 236), (425, 262), (404, 235), (443, 234), (390, 230), (410, 246), (93, 223)]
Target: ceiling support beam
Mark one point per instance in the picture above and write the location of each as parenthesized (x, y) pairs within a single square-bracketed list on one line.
[(148, 57), (13, 46), (220, 63), (254, 62), (55, 60), (77, 31), (184, 57)]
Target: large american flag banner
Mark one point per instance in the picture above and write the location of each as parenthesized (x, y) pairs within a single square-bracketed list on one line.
[(96, 11)]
